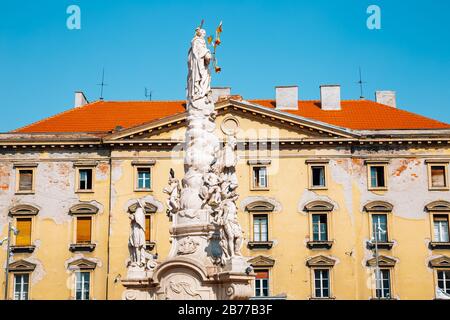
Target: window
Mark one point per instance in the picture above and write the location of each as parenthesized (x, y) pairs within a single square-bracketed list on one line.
[(440, 227), (25, 180), (443, 277), (85, 179), (379, 225), (21, 285), (147, 227), (82, 285), (262, 283), (23, 238), (84, 230), (320, 232), (383, 284), (321, 283), (377, 177), (260, 223), (143, 179), (318, 176), (260, 177)]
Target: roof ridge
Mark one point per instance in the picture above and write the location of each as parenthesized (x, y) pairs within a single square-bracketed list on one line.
[(54, 116)]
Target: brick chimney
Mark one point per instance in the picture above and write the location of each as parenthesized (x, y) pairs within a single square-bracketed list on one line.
[(387, 98), (286, 97), (330, 97), (80, 99)]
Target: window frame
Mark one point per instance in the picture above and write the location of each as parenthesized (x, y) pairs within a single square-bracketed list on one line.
[(375, 289), (260, 215), (438, 163), (327, 231), (77, 218), (371, 165), (16, 219), (74, 290), (13, 289), (436, 272), (78, 179), (447, 218), (31, 168), (313, 282), (79, 211), (380, 208), (255, 208), (253, 187), (268, 270), (317, 163), (136, 178)]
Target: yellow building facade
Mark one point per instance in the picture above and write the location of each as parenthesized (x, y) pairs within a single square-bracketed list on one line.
[(322, 207)]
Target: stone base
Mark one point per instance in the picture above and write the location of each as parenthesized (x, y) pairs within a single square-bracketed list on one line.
[(184, 278)]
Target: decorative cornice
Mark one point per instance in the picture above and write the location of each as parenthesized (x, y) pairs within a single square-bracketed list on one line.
[(81, 264), (321, 261), (23, 210), (383, 261), (83, 208), (22, 266), (440, 205), (378, 206), (262, 261), (319, 206), (441, 262)]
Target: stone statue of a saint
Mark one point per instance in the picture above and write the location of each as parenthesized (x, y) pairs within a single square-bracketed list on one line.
[(173, 190), (136, 241), (199, 77)]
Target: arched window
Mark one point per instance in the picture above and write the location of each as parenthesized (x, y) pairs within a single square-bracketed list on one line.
[(260, 220), (439, 219), (24, 222), (84, 221)]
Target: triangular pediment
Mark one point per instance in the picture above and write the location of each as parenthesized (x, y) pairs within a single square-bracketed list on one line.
[(383, 261), (261, 261), (82, 264), (289, 126), (320, 261), (21, 266), (441, 262)]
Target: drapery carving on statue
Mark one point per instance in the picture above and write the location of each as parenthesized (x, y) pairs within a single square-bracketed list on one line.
[(199, 77), (173, 190), (139, 258)]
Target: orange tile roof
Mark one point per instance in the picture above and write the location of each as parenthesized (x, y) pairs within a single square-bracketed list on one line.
[(362, 115), (104, 116)]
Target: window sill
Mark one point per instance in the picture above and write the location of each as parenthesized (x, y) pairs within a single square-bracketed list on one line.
[(259, 189), (383, 299), (25, 192), (322, 299), (143, 190), (75, 247), (318, 188), (84, 191), (319, 244), (378, 189), (381, 245), (23, 249), (439, 245), (150, 245), (439, 189), (260, 244)]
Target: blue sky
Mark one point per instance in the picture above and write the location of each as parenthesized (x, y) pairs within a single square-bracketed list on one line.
[(264, 44)]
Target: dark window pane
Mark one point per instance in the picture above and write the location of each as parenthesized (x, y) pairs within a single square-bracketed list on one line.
[(318, 176), (26, 180)]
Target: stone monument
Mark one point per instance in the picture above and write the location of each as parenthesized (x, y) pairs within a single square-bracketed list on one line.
[(205, 260)]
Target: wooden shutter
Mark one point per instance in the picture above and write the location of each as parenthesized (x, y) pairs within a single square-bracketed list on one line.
[(147, 228), (84, 229), (25, 180), (24, 236)]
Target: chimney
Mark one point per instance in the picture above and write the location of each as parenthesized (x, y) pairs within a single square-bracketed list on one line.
[(387, 98), (80, 99), (286, 97), (218, 92), (330, 97)]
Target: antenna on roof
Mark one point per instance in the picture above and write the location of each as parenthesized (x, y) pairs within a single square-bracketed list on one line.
[(102, 84), (361, 84), (148, 94)]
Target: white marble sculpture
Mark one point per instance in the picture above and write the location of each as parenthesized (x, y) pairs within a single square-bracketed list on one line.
[(136, 242), (173, 190)]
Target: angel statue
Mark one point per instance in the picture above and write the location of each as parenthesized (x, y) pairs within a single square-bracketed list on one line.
[(173, 190), (232, 238), (136, 242)]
